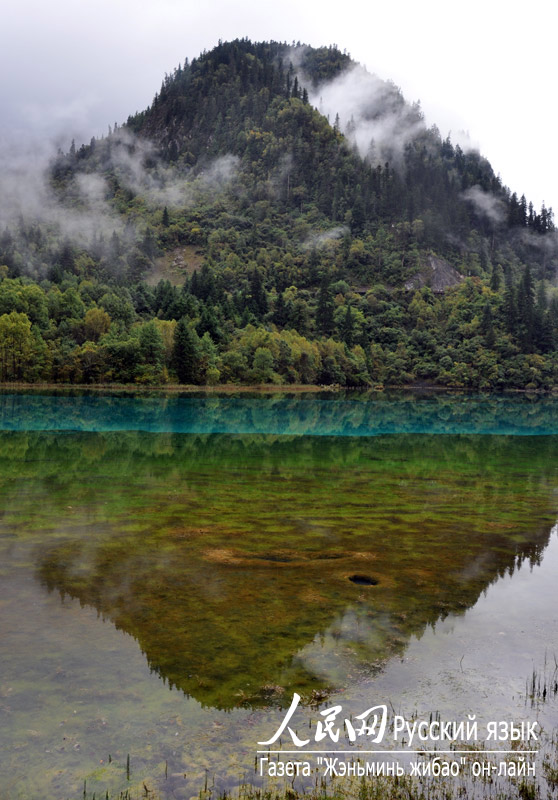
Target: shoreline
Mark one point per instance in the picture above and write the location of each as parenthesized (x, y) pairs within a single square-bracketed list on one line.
[(134, 388), (263, 388)]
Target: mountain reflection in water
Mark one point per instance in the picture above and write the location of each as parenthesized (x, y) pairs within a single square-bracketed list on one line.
[(230, 558)]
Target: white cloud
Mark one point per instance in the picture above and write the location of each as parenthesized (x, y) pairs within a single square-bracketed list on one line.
[(486, 68), (486, 203), (371, 112)]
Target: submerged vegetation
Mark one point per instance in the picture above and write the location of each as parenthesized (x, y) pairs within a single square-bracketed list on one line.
[(179, 588), (232, 232), (226, 596), (403, 788)]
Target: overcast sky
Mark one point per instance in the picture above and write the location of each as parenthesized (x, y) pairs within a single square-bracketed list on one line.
[(69, 68)]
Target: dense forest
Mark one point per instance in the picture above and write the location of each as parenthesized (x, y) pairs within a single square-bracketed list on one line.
[(278, 215)]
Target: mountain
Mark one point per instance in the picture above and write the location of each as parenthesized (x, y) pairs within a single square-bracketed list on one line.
[(277, 214)]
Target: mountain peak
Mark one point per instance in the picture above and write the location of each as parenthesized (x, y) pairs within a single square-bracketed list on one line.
[(292, 218)]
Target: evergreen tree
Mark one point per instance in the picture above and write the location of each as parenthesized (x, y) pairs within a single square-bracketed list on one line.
[(325, 309), (151, 344), (487, 327), (509, 305), (526, 312), (258, 296), (185, 354), (542, 327), (280, 312), (66, 258), (209, 323), (495, 278), (347, 329), (523, 210)]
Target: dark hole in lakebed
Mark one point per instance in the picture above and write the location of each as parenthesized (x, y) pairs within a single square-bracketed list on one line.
[(363, 580)]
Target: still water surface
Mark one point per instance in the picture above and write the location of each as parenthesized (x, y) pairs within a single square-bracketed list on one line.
[(165, 588)]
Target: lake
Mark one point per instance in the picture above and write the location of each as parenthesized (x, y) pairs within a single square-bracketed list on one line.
[(174, 568)]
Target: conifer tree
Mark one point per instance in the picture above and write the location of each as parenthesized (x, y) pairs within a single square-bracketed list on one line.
[(509, 305), (185, 355), (495, 278), (487, 327), (324, 311), (280, 313), (526, 311)]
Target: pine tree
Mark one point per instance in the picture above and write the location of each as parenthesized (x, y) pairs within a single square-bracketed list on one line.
[(526, 311), (151, 344), (280, 313), (324, 310), (258, 296), (185, 354), (523, 210), (495, 278), (542, 326), (509, 305), (209, 323)]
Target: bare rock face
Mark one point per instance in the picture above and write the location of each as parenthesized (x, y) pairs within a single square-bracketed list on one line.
[(438, 274)]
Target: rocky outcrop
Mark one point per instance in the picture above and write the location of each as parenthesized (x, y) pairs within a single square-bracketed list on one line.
[(438, 274)]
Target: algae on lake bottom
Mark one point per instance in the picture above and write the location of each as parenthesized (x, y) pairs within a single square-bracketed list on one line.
[(226, 557)]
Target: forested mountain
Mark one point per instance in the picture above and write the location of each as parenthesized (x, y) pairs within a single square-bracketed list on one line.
[(277, 215)]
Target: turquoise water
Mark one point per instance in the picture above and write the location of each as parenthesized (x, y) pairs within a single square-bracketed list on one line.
[(311, 414)]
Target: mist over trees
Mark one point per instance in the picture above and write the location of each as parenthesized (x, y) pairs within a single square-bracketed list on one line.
[(355, 249)]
